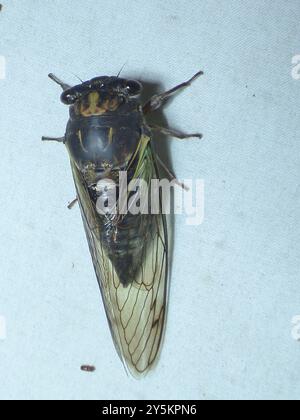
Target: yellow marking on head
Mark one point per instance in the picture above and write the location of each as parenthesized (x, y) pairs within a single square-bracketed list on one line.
[(111, 104), (93, 101), (92, 105), (95, 106)]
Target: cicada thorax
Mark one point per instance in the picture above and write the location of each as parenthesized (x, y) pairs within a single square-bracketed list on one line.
[(102, 146), (105, 142)]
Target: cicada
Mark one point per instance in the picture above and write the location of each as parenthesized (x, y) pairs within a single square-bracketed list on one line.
[(107, 133)]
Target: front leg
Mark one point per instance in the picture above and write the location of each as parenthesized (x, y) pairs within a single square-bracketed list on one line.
[(158, 100), (175, 133), (57, 139), (72, 204)]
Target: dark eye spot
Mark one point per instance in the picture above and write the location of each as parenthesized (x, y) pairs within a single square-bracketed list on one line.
[(133, 87), (70, 96)]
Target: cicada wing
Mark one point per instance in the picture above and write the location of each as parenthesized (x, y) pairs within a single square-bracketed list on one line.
[(136, 313)]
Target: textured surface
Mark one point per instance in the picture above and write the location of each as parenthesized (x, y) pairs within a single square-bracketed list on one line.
[(235, 278)]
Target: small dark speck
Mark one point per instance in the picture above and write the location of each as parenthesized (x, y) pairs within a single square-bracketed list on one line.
[(254, 96), (87, 368)]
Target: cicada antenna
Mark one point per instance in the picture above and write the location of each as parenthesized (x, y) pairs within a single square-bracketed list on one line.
[(77, 77), (122, 68)]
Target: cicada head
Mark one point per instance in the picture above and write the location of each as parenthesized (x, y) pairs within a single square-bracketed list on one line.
[(101, 95), (105, 125)]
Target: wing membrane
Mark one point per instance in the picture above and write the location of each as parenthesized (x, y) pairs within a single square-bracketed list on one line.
[(136, 313)]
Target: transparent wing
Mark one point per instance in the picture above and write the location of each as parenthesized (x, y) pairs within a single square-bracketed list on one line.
[(136, 313)]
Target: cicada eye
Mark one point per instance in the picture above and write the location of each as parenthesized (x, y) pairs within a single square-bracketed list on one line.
[(69, 98), (133, 87)]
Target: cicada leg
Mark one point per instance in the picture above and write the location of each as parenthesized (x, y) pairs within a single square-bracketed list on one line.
[(171, 174), (57, 139), (158, 100), (72, 204), (55, 79), (175, 133)]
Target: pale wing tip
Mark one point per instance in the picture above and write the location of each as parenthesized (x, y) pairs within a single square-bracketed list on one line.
[(137, 374)]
